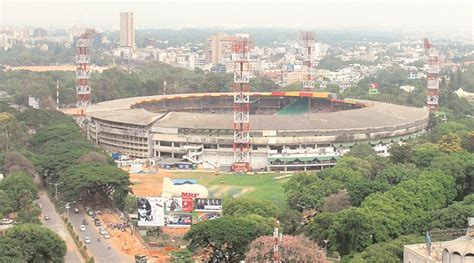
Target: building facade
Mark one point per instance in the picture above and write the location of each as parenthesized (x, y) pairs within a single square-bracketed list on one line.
[(219, 48), (127, 30)]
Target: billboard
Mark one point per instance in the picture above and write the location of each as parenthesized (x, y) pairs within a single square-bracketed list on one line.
[(204, 216), (207, 204), (151, 211), (173, 204), (179, 219)]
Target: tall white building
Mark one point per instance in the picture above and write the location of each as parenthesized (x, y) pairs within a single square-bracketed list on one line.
[(127, 30)]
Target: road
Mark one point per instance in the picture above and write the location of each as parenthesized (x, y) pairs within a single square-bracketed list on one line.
[(99, 250), (56, 224)]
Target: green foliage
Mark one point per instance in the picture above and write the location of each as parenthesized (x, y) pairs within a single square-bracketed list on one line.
[(12, 133), (291, 221), (400, 153), (20, 189), (247, 206), (450, 143), (89, 180), (130, 204), (228, 237), (391, 251), (362, 150), (423, 154), (461, 167), (36, 243)]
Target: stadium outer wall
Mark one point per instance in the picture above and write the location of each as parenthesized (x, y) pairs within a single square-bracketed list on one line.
[(189, 130)]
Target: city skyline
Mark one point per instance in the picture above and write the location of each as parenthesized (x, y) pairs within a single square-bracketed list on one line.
[(401, 15)]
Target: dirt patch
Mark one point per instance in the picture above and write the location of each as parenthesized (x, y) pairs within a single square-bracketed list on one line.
[(129, 243), (149, 183)]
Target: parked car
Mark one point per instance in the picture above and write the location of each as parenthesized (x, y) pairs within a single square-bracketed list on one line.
[(76, 210), (87, 240), (90, 212), (40, 205), (106, 235), (82, 228), (46, 217), (97, 222), (84, 222), (102, 231)]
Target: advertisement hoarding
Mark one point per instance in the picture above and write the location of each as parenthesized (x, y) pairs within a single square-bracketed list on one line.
[(151, 211), (173, 204), (204, 216), (179, 219), (207, 204)]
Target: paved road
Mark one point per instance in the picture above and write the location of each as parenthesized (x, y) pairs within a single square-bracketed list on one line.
[(99, 250), (56, 224)]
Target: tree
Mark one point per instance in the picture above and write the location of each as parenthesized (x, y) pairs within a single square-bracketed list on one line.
[(450, 143), (17, 162), (423, 154), (93, 157), (6, 205), (468, 142), (362, 150), (336, 202), (37, 243), (12, 133), (226, 239), (291, 221), (20, 189), (291, 248), (246, 206), (130, 204), (400, 153), (91, 180)]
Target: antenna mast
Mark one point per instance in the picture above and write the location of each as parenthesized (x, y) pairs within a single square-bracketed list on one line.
[(432, 77), (241, 108), (83, 60), (307, 39)]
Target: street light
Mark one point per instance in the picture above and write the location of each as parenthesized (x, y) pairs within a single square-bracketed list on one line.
[(67, 206), (55, 189)]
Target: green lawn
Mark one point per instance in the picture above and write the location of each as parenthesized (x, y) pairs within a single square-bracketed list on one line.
[(225, 185)]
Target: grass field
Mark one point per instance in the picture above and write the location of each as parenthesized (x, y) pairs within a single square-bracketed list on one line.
[(224, 185)]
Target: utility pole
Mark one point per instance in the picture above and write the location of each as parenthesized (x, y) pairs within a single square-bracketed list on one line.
[(57, 94)]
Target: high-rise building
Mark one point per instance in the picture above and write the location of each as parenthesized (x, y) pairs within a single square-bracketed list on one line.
[(127, 30), (219, 47)]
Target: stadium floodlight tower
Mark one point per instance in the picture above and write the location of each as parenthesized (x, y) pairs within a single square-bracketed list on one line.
[(432, 77), (307, 40), (83, 60), (241, 107)]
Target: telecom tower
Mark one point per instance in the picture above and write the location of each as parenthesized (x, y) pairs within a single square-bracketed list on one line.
[(432, 77), (83, 60), (307, 39), (241, 107)]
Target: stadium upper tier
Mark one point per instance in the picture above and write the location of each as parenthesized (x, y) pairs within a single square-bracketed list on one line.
[(364, 115), (288, 130)]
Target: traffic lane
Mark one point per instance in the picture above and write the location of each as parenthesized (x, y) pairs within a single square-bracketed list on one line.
[(56, 224), (99, 250)]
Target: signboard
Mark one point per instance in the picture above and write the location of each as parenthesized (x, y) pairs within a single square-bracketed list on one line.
[(151, 211), (207, 204), (179, 219), (33, 102), (187, 200), (204, 216), (173, 204)]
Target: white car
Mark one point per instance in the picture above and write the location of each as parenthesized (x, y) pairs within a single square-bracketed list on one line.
[(87, 240), (40, 205), (82, 228), (102, 231), (106, 236)]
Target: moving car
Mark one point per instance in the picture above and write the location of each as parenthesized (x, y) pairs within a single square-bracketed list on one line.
[(76, 210), (87, 240), (82, 228), (46, 217), (40, 205)]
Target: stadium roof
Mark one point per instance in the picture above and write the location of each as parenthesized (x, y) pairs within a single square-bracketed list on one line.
[(377, 115)]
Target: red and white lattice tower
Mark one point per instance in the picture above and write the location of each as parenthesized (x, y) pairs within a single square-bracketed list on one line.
[(307, 40), (276, 244), (83, 60), (241, 107), (432, 77)]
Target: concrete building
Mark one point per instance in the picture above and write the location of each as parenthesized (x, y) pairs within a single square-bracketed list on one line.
[(219, 48), (289, 130), (460, 250), (127, 30)]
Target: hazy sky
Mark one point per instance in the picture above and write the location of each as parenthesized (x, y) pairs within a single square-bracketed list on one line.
[(321, 14)]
